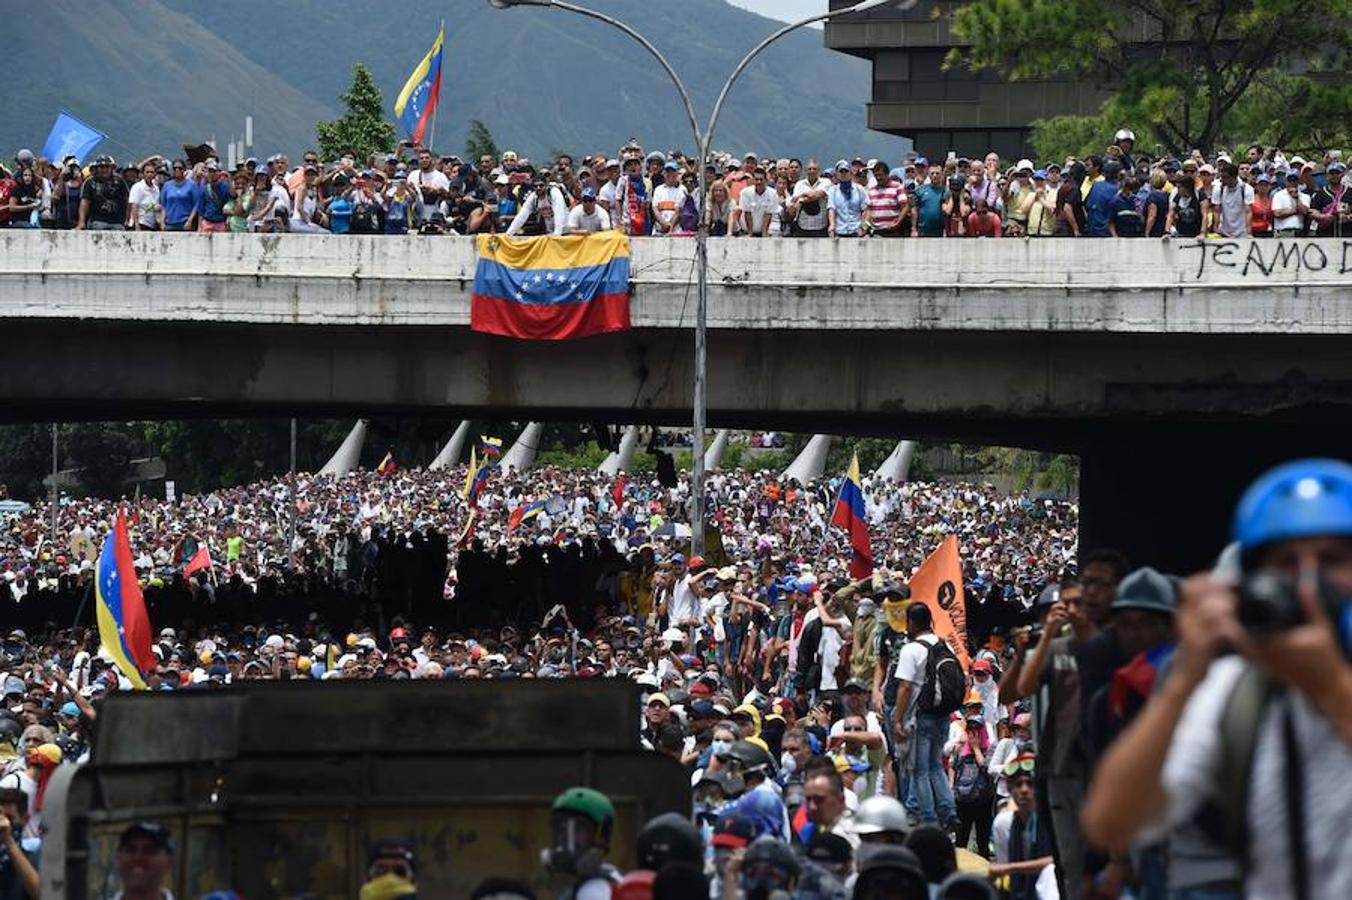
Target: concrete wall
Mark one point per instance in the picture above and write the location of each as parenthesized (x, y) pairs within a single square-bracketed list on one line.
[(1153, 287)]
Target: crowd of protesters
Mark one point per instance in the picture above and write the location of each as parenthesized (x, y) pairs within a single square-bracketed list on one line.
[(1122, 192), (834, 745)]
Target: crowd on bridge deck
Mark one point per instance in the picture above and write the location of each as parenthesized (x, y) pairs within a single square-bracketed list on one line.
[(1256, 191), (835, 746)]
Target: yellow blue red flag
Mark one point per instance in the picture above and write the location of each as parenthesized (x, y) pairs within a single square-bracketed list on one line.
[(551, 288), (124, 625), (418, 100), (849, 515)]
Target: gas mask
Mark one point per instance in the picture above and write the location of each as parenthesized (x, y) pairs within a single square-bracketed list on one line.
[(574, 851)]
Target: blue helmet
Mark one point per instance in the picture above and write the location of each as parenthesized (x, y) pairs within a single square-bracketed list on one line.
[(1304, 498)]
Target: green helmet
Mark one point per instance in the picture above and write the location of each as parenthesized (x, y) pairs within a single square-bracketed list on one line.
[(590, 803)]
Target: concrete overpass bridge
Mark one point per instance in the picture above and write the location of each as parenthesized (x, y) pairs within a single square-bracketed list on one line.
[(1176, 369)]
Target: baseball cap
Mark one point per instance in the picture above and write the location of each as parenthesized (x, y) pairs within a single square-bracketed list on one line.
[(612, 164), (856, 684), (660, 699), (670, 165), (732, 831), (831, 849), (842, 166), (981, 665), (588, 194), (1040, 175), (156, 831), (502, 179), (1336, 166), (696, 561)]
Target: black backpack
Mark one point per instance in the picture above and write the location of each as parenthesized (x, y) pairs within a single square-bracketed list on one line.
[(945, 682), (1188, 217)]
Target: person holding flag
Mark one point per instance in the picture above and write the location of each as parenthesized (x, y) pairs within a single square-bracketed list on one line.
[(523, 513), (124, 625), (417, 102), (849, 516), (490, 446)]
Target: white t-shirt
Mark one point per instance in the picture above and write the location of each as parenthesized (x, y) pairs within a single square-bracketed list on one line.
[(598, 220), (758, 206), (1284, 209), (146, 199), (807, 221), (1232, 202), (1192, 767), (609, 191), (667, 201), (435, 180)]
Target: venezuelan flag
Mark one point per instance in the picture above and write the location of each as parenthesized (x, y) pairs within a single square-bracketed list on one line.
[(124, 626), (418, 99), (490, 446), (849, 515), (524, 512), (387, 465), (475, 478), (551, 288)]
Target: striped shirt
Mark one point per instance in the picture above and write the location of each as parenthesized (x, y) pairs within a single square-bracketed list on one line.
[(884, 205)]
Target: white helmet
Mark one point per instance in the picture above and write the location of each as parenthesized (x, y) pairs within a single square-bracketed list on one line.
[(881, 814), (1124, 134)]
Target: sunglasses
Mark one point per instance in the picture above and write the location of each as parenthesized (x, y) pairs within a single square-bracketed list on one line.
[(853, 728), (1015, 766)]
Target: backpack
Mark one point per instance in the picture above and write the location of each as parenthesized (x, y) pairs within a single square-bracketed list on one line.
[(945, 682), (971, 781), (366, 219)]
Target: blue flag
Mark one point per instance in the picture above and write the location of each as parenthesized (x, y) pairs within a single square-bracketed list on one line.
[(70, 137)]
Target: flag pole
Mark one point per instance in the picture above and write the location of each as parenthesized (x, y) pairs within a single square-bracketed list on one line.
[(436, 109)]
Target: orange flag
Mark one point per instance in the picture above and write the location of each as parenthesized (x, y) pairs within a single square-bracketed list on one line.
[(938, 584)]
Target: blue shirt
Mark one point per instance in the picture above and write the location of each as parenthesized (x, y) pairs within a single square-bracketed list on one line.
[(929, 207), (340, 215), (213, 198), (1097, 208), (178, 200), (849, 210), (1125, 216)]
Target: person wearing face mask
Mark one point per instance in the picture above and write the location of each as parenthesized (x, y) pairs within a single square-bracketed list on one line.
[(1263, 737), (730, 836), (582, 822)]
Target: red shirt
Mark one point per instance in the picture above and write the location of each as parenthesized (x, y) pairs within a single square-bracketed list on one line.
[(8, 187)]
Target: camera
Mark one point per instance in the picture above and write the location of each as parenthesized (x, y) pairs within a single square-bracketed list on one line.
[(1268, 603)]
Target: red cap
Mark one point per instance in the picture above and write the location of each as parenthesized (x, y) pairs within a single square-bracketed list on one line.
[(696, 563), (981, 665), (701, 689)]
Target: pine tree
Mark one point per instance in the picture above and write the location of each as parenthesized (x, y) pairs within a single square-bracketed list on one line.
[(480, 142), (362, 129)]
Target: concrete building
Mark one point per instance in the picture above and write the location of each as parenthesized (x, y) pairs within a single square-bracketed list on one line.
[(955, 109)]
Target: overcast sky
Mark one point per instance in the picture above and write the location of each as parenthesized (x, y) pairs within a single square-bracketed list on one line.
[(787, 10)]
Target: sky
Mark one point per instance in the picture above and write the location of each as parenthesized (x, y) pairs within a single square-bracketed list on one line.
[(786, 10)]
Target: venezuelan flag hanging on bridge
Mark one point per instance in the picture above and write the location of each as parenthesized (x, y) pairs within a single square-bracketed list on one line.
[(551, 288)]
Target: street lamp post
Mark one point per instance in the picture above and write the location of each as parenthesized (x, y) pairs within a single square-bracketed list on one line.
[(704, 143)]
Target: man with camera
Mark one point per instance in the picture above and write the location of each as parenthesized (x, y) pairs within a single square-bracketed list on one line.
[(1255, 745)]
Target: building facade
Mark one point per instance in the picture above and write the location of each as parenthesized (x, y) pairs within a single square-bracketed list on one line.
[(947, 110)]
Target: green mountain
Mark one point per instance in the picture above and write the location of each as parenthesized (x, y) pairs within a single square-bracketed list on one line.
[(151, 78), (157, 73)]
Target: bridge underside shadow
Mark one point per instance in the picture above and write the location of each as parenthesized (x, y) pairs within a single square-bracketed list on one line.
[(1169, 427)]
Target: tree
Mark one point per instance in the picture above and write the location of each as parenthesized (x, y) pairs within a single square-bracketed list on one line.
[(480, 141), (1202, 58), (363, 129)]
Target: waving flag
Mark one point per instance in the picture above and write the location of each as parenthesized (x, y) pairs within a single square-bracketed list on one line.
[(938, 584), (418, 100), (70, 137), (200, 560), (523, 513), (551, 288), (124, 626), (490, 446), (849, 515), (475, 478), (387, 465)]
